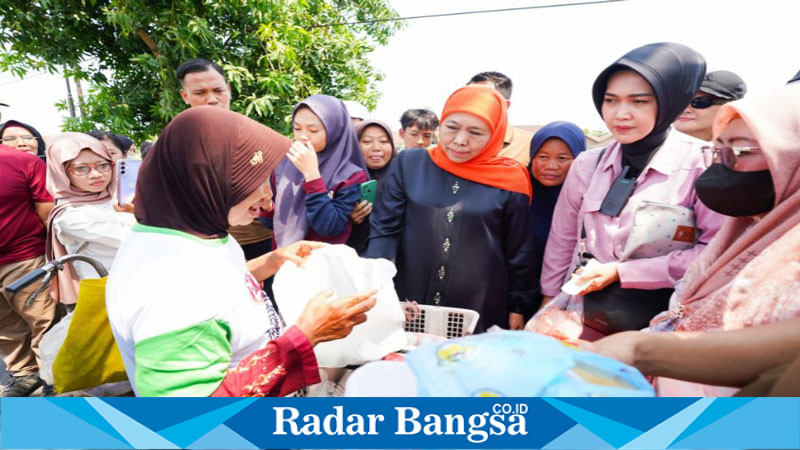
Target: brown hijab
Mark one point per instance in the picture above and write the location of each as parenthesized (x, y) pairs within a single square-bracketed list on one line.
[(205, 161)]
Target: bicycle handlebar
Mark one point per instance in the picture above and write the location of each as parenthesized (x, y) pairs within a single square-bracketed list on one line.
[(26, 279), (52, 267)]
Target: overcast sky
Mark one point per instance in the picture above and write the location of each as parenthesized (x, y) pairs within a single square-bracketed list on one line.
[(552, 55)]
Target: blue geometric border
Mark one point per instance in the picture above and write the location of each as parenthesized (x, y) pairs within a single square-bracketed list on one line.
[(547, 423)]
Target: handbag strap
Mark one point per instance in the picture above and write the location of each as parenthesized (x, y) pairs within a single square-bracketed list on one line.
[(582, 243)]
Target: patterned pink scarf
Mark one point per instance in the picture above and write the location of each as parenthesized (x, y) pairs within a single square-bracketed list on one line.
[(750, 272)]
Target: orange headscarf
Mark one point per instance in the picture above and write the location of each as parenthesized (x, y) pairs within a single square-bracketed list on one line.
[(486, 168)]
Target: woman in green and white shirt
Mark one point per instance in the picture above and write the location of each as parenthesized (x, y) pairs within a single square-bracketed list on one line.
[(186, 309)]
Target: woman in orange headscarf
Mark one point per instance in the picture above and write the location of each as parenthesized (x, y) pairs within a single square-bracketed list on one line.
[(455, 218)]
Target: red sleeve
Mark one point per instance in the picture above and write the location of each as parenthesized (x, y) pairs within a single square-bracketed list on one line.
[(315, 186), (282, 367), (37, 177)]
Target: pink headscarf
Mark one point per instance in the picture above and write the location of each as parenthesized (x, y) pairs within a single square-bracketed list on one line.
[(60, 151), (750, 272)]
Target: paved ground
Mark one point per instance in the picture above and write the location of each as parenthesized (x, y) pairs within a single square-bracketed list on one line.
[(3, 374)]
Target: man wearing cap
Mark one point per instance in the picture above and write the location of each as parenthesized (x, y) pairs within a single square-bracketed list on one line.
[(718, 88)]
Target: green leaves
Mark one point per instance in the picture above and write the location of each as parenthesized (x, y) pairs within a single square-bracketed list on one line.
[(275, 53)]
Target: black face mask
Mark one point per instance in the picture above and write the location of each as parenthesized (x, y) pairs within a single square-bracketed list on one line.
[(735, 194)]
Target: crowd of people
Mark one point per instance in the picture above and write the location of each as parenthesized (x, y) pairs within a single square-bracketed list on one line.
[(682, 232)]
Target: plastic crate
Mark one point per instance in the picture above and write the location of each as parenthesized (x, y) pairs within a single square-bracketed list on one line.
[(442, 321)]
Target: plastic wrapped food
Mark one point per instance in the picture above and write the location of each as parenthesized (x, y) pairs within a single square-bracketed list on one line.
[(520, 364), (562, 318)]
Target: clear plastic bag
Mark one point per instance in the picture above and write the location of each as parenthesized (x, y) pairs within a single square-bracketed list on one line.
[(50, 345), (561, 318)]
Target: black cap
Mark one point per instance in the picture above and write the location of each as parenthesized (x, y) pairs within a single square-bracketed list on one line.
[(3, 104), (795, 78), (724, 84)]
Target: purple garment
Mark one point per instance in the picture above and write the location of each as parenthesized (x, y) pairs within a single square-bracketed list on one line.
[(338, 161)]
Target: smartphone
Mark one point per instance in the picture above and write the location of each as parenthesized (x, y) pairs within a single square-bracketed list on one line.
[(368, 189), (127, 173)]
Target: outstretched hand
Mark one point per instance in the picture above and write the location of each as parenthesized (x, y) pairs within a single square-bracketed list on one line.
[(322, 320)]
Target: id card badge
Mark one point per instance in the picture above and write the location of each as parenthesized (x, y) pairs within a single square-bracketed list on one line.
[(618, 195)]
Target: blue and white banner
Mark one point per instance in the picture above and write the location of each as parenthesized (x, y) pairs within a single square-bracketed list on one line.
[(378, 423)]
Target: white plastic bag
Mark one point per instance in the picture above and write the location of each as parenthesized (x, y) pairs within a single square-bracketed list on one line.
[(49, 346), (339, 268)]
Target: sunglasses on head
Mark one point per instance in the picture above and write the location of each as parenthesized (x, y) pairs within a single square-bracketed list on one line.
[(704, 101)]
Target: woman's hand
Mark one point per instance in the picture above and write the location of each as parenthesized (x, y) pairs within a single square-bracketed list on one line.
[(361, 211), (127, 206), (600, 276), (327, 321), (304, 157), (619, 346), (267, 265), (516, 321)]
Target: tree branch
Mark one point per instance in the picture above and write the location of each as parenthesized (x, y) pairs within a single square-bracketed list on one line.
[(148, 41)]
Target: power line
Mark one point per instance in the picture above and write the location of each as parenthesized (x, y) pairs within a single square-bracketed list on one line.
[(464, 13), (22, 79)]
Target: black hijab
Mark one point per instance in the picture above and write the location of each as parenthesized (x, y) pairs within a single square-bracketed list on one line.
[(675, 72), (39, 140)]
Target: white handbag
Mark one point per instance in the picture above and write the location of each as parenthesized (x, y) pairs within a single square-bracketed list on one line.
[(659, 229)]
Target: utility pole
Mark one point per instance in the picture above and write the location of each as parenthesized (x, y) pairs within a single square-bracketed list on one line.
[(70, 103), (79, 91)]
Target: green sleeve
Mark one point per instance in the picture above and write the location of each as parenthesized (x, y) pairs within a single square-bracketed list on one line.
[(190, 362)]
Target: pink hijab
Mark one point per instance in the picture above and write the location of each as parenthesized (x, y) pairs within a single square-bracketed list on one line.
[(750, 272), (60, 151)]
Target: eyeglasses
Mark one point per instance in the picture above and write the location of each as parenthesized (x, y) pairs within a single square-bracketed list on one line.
[(729, 156), (85, 169), (10, 139), (704, 101)]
